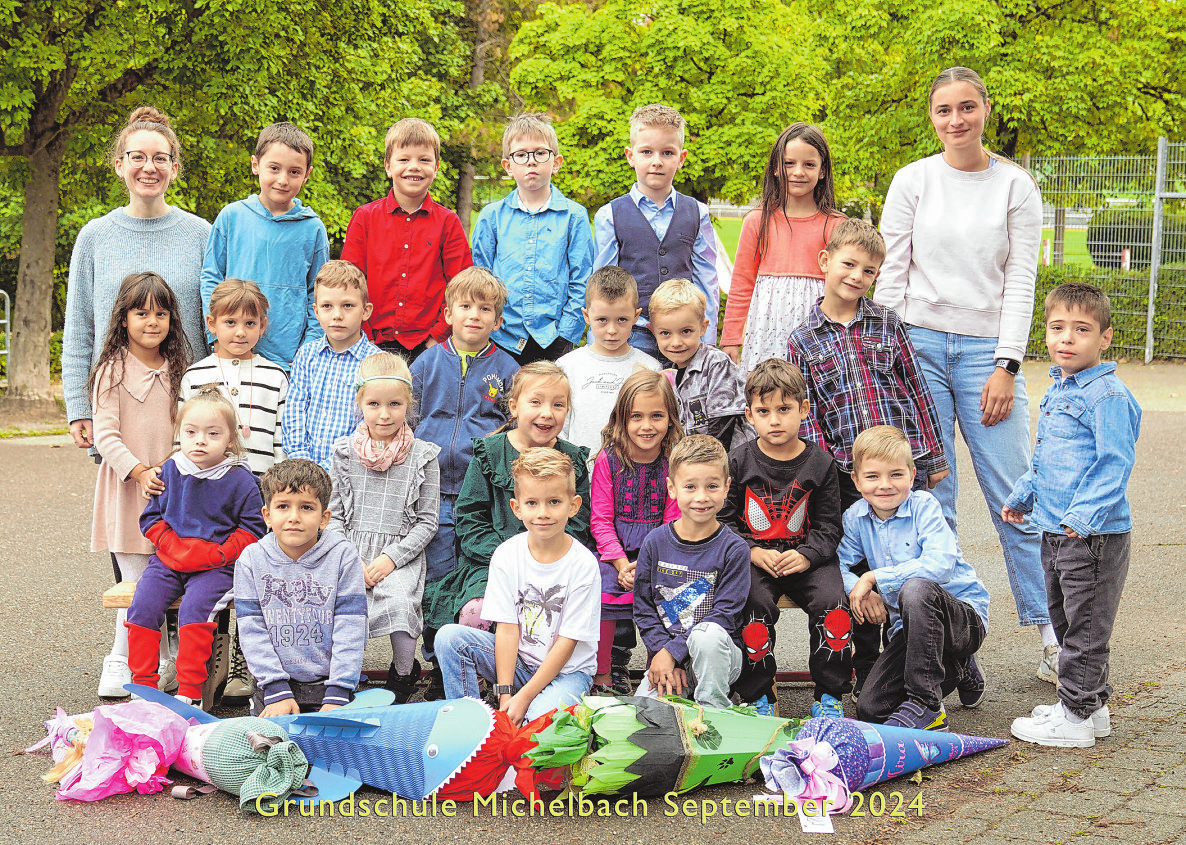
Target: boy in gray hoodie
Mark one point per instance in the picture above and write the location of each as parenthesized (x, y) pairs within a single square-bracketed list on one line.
[(300, 599)]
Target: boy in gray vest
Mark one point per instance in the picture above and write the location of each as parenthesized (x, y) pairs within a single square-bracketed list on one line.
[(654, 232)]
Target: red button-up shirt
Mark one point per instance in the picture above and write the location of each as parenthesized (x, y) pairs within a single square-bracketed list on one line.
[(407, 259)]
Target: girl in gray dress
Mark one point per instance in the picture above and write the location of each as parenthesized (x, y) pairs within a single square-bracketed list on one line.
[(385, 500)]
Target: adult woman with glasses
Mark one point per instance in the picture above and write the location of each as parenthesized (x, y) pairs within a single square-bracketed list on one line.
[(962, 231), (147, 234)]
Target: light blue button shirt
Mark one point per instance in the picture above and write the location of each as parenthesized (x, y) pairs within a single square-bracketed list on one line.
[(916, 542), (1088, 426), (545, 258), (704, 250)]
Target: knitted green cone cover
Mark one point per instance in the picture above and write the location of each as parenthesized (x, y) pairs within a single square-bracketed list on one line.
[(234, 767)]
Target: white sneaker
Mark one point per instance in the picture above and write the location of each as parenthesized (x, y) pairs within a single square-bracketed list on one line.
[(1048, 665), (1054, 729), (1101, 720), (168, 673), (115, 674), (192, 702)]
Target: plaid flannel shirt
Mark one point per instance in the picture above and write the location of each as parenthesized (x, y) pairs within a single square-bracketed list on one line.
[(863, 374)]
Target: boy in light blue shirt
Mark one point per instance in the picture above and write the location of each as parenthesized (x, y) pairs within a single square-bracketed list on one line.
[(1076, 493), (919, 580), (271, 239), (539, 243)]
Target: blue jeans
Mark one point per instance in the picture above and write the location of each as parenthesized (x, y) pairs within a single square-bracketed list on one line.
[(465, 654), (956, 368), (713, 664)]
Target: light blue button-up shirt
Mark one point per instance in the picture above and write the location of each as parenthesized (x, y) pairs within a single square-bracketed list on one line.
[(545, 258), (916, 542), (704, 249), (1088, 426)]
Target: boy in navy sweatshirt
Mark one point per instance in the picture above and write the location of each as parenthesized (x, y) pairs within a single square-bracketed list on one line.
[(691, 583), (300, 599), (458, 387)]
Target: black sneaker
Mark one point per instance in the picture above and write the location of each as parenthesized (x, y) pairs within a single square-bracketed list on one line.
[(436, 684), (620, 680), (404, 686), (971, 686)]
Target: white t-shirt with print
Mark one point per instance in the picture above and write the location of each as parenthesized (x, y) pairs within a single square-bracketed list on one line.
[(547, 600)]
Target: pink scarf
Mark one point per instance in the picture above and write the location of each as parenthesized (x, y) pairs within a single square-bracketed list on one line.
[(379, 456)]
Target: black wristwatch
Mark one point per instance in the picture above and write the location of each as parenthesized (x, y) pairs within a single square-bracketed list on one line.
[(1009, 365), (500, 690)]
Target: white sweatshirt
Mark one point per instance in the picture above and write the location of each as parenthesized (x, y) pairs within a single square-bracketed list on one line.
[(962, 250)]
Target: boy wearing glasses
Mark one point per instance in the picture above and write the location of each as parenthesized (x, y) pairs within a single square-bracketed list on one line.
[(538, 242)]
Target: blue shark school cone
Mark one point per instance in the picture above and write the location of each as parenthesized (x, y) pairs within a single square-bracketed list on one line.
[(833, 758)]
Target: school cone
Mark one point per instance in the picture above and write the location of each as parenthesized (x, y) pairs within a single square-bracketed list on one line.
[(833, 758)]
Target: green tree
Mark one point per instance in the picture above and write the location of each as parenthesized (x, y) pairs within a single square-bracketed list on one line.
[(739, 71), (72, 69)]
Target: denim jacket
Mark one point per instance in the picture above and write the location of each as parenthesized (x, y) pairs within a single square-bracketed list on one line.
[(1087, 434)]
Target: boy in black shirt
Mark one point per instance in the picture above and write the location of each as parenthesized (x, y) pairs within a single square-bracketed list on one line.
[(785, 503)]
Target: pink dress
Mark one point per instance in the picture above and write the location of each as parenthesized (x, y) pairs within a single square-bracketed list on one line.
[(132, 426)]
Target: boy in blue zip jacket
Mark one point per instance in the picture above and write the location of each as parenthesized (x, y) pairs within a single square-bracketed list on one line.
[(458, 387), (1076, 492), (271, 239)]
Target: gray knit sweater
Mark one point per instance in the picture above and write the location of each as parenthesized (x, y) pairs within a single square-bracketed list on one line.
[(108, 249)]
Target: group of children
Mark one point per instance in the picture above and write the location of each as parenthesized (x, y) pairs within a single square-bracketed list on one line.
[(519, 507)]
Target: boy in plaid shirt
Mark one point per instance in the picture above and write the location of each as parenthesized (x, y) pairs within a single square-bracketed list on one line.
[(860, 369)]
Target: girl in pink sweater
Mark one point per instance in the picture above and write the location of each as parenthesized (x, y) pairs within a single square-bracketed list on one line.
[(629, 500)]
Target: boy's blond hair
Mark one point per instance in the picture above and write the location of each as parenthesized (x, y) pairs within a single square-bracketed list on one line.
[(288, 134), (542, 463), (882, 443), (342, 275), (478, 284), (677, 293), (295, 475), (775, 375), (864, 236), (530, 125), (656, 115), (609, 284), (1082, 297), (410, 132), (698, 449)]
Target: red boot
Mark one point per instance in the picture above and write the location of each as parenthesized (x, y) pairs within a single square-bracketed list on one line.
[(193, 653), (144, 654)]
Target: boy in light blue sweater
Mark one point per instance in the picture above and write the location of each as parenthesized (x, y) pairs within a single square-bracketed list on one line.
[(271, 239)]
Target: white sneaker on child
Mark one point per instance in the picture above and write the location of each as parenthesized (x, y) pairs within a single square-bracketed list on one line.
[(115, 674), (1101, 720), (1055, 729)]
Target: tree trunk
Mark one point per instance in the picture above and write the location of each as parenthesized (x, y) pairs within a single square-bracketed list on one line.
[(477, 76), (465, 194), (28, 373)]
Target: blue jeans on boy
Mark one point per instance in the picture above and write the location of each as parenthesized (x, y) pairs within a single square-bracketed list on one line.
[(440, 558), (467, 654), (956, 368)]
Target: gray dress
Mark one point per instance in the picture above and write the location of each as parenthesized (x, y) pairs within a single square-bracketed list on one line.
[(393, 513)]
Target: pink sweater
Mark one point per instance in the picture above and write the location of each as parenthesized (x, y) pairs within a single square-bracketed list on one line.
[(609, 547), (791, 250)]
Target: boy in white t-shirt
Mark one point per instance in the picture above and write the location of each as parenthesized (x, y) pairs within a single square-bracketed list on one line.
[(597, 371), (543, 594)]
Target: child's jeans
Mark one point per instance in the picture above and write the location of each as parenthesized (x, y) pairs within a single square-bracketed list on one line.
[(1084, 579), (466, 654), (923, 659), (713, 664)]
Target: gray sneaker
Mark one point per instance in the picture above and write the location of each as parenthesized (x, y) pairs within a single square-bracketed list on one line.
[(1101, 720), (1048, 665)]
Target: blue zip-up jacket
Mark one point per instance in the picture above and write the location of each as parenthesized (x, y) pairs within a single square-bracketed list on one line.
[(280, 254), (452, 408)]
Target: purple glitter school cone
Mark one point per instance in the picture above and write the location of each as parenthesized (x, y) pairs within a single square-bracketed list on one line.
[(833, 758)]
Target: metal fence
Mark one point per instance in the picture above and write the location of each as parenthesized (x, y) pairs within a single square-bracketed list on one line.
[(1119, 222)]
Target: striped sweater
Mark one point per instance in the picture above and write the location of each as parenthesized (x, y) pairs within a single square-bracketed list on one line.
[(257, 388)]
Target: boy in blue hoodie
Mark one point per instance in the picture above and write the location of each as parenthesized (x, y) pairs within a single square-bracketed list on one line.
[(271, 239), (458, 387)]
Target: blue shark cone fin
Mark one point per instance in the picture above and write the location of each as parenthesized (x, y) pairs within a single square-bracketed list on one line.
[(369, 698), (331, 786), (408, 749), (185, 711)]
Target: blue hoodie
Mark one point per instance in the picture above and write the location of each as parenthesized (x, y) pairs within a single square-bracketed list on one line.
[(280, 254)]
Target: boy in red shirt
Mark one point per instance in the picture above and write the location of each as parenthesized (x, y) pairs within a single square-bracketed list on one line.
[(407, 245)]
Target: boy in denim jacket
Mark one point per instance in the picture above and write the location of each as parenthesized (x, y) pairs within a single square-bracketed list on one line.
[(1076, 493)]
